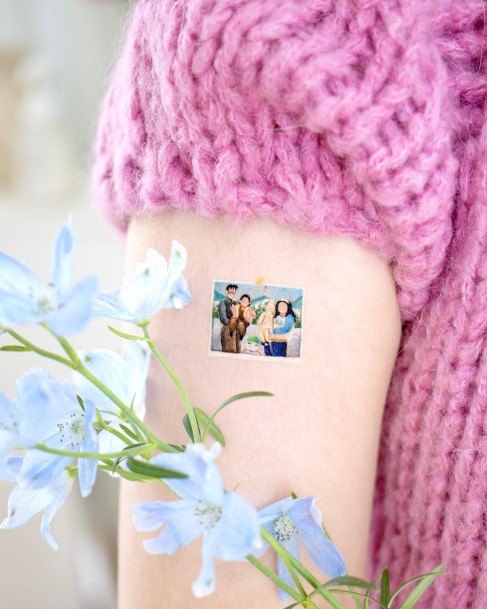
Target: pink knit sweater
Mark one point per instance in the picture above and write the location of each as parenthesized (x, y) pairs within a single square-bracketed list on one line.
[(364, 118)]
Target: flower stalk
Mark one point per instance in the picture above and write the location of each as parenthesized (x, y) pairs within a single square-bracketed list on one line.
[(173, 376)]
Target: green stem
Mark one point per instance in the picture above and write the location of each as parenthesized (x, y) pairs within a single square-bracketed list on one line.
[(273, 577), (165, 364), (296, 579), (73, 363), (117, 433), (278, 547), (309, 577), (124, 408), (355, 597), (68, 349), (136, 450), (38, 350), (77, 364), (112, 430)]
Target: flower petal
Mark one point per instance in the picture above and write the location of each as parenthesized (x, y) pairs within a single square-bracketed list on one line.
[(204, 480), (137, 358), (175, 292), (107, 304), (77, 309), (10, 468), (21, 293), (108, 443), (181, 524), (39, 469), (60, 492), (23, 503), (16, 278), (274, 510), (62, 261), (179, 296), (87, 468), (237, 533), (205, 583), (149, 516), (140, 296), (110, 368), (307, 518), (178, 258), (292, 546), (125, 375), (154, 285), (43, 402), (16, 309), (9, 422)]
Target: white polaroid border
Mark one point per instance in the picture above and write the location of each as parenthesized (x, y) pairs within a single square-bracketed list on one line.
[(243, 356)]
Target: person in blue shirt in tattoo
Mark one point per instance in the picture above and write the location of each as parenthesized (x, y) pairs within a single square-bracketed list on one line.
[(284, 320)]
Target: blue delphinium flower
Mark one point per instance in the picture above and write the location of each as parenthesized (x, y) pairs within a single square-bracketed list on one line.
[(24, 503), (125, 375), (69, 427), (295, 522), (228, 523), (30, 418), (25, 299), (155, 285)]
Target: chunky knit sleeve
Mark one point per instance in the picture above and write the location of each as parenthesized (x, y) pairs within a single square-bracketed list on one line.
[(332, 116)]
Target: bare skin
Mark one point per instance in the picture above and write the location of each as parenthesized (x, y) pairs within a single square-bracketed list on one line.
[(317, 436)]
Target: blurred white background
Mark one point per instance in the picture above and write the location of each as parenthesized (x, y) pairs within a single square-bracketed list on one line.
[(55, 58)]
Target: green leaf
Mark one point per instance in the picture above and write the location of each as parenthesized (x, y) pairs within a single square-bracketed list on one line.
[(234, 398), (151, 470), (81, 402), (178, 447), (133, 477), (349, 580), (242, 396), (187, 427), (356, 596), (128, 431), (125, 474), (421, 588), (293, 495), (385, 587), (135, 445), (127, 336), (18, 348), (208, 426), (99, 418)]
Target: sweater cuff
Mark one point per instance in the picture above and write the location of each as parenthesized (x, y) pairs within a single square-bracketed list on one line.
[(214, 114)]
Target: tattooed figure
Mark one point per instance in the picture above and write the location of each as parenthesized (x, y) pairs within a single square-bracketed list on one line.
[(226, 315), (266, 322)]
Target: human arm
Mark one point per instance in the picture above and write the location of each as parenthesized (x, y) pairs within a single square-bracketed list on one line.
[(222, 313), (286, 326), (331, 403)]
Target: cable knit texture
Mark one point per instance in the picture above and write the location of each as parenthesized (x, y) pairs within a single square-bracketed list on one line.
[(364, 118)]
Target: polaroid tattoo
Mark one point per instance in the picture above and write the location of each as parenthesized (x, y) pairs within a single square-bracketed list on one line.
[(256, 320)]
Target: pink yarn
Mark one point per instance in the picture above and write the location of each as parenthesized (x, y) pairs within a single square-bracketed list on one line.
[(363, 118)]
